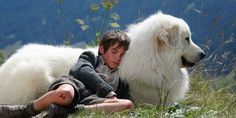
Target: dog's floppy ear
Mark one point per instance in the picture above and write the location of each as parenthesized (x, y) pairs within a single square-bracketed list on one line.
[(168, 36)]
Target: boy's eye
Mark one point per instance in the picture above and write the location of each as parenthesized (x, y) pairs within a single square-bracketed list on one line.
[(113, 52)]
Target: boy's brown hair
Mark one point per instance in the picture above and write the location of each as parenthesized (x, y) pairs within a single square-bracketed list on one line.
[(112, 37)]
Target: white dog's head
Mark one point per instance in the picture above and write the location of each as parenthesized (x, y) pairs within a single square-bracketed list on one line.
[(161, 48), (174, 41), (160, 41)]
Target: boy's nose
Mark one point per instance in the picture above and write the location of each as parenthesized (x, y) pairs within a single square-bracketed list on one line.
[(118, 58)]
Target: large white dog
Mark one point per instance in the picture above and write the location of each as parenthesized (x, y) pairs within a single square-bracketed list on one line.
[(154, 66)]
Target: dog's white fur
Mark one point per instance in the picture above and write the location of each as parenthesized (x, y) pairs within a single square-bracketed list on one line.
[(152, 65)]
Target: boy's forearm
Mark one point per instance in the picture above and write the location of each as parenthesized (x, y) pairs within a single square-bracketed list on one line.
[(84, 71), (91, 79)]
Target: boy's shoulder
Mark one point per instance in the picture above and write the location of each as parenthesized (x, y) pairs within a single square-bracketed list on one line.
[(88, 53), (89, 56)]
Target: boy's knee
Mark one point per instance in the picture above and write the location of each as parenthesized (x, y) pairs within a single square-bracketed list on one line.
[(65, 94)]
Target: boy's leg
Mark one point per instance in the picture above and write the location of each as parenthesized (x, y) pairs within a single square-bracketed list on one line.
[(63, 95), (17, 111), (111, 105), (64, 101)]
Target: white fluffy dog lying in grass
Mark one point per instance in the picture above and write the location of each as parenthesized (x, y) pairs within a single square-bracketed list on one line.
[(154, 66)]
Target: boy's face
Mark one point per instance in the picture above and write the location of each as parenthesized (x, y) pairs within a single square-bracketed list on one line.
[(113, 55)]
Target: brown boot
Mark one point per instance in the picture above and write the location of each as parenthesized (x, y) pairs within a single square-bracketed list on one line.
[(17, 111)]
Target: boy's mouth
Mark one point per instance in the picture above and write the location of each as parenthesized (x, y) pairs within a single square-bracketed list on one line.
[(116, 63)]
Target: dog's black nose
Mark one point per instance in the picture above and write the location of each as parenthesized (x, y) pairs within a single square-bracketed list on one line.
[(202, 55)]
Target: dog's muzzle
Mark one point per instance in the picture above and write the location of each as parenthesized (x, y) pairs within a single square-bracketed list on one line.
[(187, 63)]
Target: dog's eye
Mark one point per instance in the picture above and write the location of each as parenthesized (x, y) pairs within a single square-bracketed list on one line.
[(187, 39)]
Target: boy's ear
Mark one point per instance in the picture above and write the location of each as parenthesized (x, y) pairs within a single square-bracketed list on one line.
[(101, 49)]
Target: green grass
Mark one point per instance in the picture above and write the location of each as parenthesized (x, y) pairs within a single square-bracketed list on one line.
[(207, 98)]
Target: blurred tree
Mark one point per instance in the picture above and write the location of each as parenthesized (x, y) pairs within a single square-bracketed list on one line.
[(1, 57), (102, 22), (105, 6), (68, 36)]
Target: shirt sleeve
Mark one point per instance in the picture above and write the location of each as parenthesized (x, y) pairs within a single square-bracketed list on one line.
[(84, 71), (123, 90)]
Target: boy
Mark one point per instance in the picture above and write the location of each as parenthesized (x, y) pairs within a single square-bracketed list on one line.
[(93, 82)]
